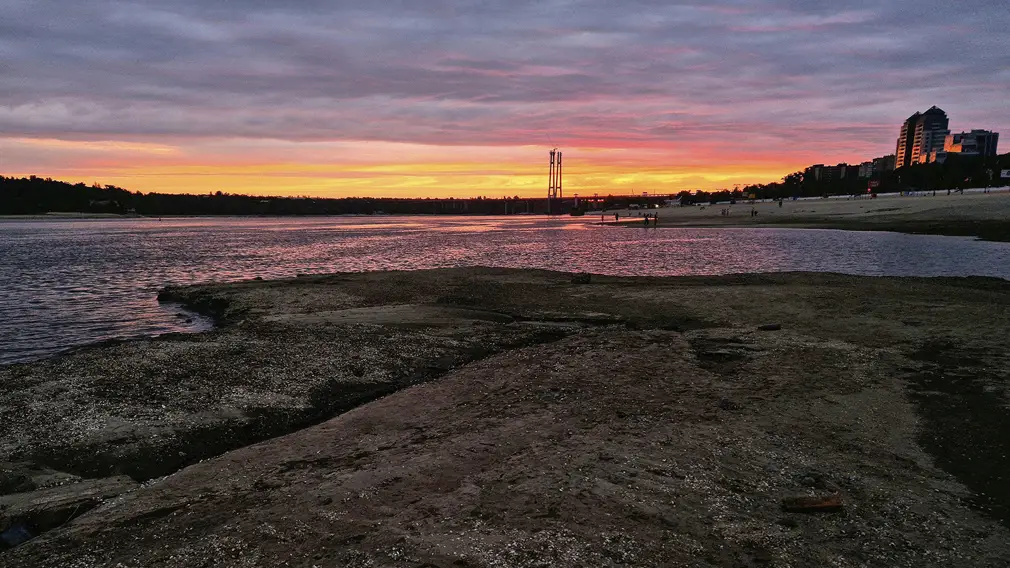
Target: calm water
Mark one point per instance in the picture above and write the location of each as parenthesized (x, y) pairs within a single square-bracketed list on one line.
[(68, 283)]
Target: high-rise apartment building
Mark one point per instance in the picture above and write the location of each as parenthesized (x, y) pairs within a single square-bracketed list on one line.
[(922, 135), (930, 134), (903, 154)]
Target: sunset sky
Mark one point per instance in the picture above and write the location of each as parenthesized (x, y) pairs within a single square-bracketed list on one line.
[(452, 98)]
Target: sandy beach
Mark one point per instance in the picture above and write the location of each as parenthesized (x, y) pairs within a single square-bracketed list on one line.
[(484, 417), (985, 215)]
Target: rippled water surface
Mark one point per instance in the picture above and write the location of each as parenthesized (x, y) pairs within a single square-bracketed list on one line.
[(68, 283)]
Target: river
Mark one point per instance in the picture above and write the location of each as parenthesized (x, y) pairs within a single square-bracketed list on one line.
[(66, 283)]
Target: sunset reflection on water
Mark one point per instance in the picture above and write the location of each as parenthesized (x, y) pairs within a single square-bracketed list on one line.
[(66, 283)]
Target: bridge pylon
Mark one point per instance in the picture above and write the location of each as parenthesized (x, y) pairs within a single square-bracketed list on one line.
[(555, 193)]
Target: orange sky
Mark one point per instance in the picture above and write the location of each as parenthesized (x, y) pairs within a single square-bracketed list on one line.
[(381, 169)]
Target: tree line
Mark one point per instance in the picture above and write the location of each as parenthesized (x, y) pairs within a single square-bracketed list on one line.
[(36, 196)]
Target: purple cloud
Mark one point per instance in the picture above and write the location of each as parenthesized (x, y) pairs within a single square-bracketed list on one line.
[(836, 75)]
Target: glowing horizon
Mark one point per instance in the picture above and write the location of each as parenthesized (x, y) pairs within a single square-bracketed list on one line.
[(418, 171)]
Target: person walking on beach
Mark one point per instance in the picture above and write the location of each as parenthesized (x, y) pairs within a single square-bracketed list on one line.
[(655, 220), (617, 217), (646, 220)]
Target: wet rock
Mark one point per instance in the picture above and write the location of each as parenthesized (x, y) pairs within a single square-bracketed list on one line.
[(22, 477), (770, 327), (13, 481), (39, 511), (727, 404), (815, 480), (15, 535), (813, 504), (789, 522)]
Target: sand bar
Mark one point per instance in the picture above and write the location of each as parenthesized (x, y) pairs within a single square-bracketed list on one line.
[(985, 215)]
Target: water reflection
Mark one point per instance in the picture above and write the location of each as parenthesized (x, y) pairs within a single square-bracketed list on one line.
[(65, 283)]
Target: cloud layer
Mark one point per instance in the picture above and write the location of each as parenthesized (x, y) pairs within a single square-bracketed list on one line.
[(703, 85)]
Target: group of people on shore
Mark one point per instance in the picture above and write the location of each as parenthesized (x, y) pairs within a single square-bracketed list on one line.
[(726, 212), (653, 217)]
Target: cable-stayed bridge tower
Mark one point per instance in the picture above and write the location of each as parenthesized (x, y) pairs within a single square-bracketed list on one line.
[(554, 190)]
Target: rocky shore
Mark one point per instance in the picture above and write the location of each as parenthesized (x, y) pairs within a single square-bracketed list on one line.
[(490, 417)]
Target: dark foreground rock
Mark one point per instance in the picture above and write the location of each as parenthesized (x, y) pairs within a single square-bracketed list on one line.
[(529, 421), (32, 513)]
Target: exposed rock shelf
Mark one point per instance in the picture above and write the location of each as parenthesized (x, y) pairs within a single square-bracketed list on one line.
[(650, 423)]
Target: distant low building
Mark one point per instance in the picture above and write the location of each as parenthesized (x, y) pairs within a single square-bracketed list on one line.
[(884, 164), (974, 143), (930, 147), (820, 172)]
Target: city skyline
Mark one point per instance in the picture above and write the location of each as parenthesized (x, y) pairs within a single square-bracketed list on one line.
[(454, 100)]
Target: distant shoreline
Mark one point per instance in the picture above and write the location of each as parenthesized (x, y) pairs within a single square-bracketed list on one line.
[(68, 215), (982, 215), (985, 216), (61, 216)]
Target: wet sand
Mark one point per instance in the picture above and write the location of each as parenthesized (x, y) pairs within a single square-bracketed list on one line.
[(985, 215), (491, 417)]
